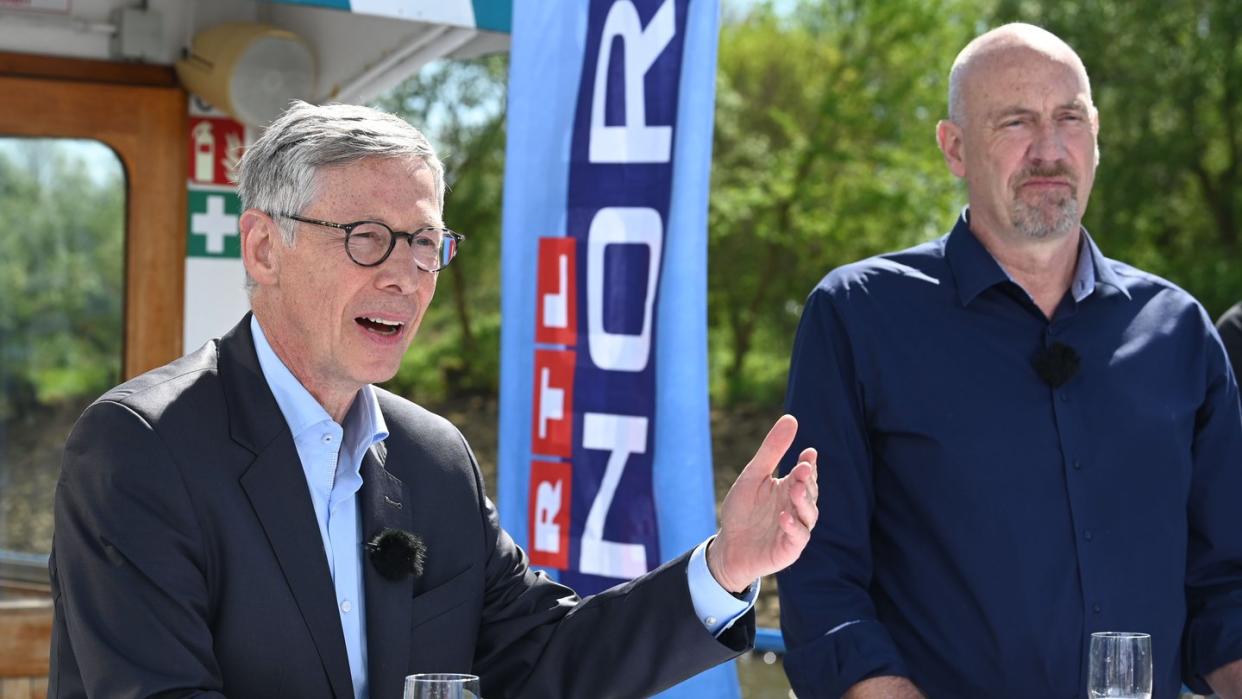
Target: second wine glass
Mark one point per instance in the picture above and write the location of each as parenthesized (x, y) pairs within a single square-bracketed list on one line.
[(441, 686), (1120, 666)]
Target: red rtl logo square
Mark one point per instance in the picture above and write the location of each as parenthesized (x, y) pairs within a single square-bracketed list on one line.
[(556, 292), (551, 485), (552, 407)]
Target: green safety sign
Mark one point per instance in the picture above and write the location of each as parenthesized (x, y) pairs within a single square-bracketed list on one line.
[(213, 224)]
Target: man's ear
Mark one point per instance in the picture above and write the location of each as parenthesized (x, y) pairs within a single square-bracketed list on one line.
[(1095, 131), (260, 243), (949, 136)]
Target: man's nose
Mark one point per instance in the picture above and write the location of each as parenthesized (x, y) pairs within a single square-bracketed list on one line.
[(399, 272), (1048, 144)]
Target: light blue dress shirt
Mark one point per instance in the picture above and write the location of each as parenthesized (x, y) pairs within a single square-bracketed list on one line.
[(331, 456)]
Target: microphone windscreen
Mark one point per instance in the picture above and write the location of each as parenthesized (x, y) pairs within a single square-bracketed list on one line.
[(397, 554), (1056, 364)]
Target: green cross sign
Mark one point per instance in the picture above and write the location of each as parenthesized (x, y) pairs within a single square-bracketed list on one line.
[(213, 224)]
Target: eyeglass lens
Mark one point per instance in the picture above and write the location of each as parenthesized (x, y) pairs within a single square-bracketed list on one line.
[(369, 244)]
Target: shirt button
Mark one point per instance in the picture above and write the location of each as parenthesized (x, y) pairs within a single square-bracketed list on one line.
[(1077, 465), (327, 439), (1064, 396), (1087, 535), (1095, 608), (710, 621), (346, 607)]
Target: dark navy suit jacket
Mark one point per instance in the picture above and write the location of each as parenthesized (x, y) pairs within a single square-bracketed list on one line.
[(187, 562)]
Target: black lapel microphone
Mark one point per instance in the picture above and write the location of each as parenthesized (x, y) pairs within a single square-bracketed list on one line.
[(397, 554), (1056, 364)]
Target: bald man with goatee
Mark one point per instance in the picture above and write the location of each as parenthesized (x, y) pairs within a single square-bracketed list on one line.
[(1026, 441)]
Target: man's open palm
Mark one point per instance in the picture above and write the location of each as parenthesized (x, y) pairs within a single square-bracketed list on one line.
[(765, 521)]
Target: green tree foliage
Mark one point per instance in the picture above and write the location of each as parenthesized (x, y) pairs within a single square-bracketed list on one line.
[(1167, 79), (825, 153), (460, 106), (61, 266)]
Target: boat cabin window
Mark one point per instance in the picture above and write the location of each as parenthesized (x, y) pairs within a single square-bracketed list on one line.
[(62, 268)]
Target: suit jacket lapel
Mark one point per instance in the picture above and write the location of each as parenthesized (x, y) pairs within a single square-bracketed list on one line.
[(276, 487), (385, 505)]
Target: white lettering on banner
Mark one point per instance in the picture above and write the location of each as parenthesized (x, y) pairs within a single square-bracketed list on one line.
[(215, 224), (547, 506), (635, 141), (615, 226), (551, 402), (556, 306), (620, 435)]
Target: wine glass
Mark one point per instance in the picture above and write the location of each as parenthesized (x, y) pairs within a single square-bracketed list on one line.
[(441, 686), (1120, 666)]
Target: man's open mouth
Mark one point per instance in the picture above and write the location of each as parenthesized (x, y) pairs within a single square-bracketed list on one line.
[(379, 325)]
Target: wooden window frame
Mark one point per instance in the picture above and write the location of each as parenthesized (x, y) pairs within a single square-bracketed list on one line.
[(140, 112)]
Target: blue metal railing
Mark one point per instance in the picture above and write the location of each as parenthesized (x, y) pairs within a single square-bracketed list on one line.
[(26, 567), (769, 640)]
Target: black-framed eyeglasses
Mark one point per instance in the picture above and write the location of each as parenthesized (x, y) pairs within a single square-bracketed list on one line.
[(369, 243)]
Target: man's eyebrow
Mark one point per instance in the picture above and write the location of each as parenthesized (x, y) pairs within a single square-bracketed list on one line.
[(1007, 112), (1075, 105), (430, 222)]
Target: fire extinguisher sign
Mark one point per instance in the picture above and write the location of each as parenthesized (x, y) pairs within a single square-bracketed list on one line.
[(216, 145)]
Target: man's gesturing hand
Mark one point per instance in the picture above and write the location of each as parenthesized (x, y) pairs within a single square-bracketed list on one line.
[(765, 522)]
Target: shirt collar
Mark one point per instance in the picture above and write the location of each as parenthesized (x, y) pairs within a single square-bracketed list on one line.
[(364, 421), (1083, 283), (1102, 271), (975, 270)]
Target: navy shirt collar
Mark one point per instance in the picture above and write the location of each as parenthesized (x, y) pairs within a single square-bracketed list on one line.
[(975, 270), (1104, 272)]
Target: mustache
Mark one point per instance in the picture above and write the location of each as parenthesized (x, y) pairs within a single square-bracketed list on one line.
[(1060, 170)]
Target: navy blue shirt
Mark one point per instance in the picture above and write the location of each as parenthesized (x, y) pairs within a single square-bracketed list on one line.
[(1230, 328), (977, 524)]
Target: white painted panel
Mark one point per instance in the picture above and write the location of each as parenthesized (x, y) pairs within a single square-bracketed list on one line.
[(215, 298), (458, 12)]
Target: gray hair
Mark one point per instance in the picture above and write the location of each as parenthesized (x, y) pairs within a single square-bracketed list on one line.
[(1014, 34), (279, 173)]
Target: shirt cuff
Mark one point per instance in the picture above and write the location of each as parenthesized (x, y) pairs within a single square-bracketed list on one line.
[(826, 667), (1213, 639), (715, 606)]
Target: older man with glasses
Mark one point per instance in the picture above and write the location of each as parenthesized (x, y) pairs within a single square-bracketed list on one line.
[(256, 519)]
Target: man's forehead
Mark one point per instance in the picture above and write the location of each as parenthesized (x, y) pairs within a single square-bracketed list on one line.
[(370, 186), (1024, 73), (1024, 58), (411, 164)]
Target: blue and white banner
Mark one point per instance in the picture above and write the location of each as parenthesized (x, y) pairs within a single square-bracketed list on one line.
[(605, 448)]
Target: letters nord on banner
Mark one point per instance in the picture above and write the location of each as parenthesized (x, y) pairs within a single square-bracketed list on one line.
[(592, 512)]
